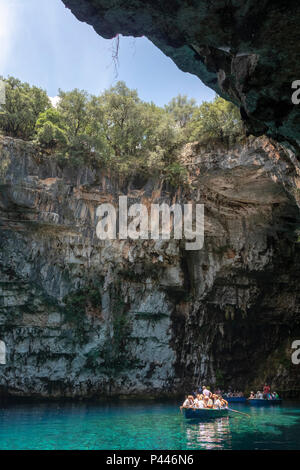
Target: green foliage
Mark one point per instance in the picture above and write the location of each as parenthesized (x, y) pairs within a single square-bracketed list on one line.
[(139, 135), (79, 152), (50, 135), (117, 130), (81, 115), (182, 109), (121, 329), (50, 129), (75, 308), (72, 106), (115, 355), (229, 312), (50, 115), (4, 162), (176, 174), (216, 121), (23, 105), (92, 359), (220, 379)]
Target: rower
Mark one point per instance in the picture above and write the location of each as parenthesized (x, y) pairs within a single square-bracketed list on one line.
[(224, 403), (266, 391), (217, 402)]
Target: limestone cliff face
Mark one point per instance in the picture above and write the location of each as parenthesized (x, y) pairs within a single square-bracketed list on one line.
[(84, 317), (246, 51)]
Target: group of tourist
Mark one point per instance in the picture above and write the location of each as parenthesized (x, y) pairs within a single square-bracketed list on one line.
[(229, 394), (205, 399), (266, 394), (233, 394)]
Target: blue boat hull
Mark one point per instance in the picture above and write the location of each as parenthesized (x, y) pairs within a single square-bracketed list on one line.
[(236, 399), (263, 402), (204, 414)]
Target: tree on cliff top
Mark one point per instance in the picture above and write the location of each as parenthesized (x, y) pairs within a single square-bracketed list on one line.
[(136, 132), (23, 105), (182, 109), (117, 129), (132, 125), (218, 121), (50, 129), (72, 106)]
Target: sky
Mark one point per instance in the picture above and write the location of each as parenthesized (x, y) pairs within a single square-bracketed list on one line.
[(41, 42)]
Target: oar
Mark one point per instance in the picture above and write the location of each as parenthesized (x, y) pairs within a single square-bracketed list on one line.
[(235, 411)]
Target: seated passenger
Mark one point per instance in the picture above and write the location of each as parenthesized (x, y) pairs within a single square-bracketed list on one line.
[(188, 402), (224, 403), (196, 400), (208, 403), (251, 396), (199, 403), (214, 397), (218, 403)]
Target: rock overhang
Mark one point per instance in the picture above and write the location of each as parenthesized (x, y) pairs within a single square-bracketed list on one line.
[(248, 52)]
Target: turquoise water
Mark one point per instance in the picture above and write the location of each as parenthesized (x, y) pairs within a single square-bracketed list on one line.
[(144, 426)]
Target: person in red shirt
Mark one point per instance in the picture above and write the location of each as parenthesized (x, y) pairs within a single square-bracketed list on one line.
[(266, 391)]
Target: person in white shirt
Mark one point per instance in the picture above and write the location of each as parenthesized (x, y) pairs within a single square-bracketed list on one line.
[(196, 400), (208, 403), (206, 393), (199, 403), (224, 403), (188, 402), (217, 403)]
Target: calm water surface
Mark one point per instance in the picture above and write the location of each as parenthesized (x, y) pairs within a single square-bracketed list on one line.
[(144, 426)]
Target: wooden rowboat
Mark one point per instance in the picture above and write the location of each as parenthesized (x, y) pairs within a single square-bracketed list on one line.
[(264, 402), (202, 414)]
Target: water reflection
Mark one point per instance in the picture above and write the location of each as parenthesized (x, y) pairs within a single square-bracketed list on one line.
[(214, 434)]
